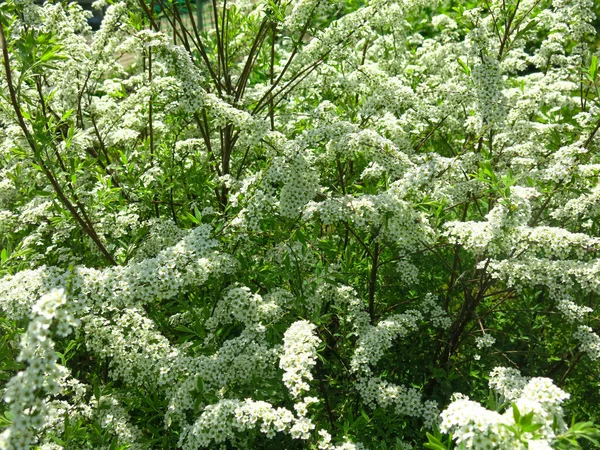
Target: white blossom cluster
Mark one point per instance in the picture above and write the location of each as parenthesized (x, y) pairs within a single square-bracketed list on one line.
[(299, 356), (487, 340), (377, 339), (572, 311), (487, 79), (238, 359), (326, 444), (300, 184), (138, 353), (228, 419), (221, 421), (589, 341), (347, 298), (476, 427), (239, 304), (387, 212), (377, 392), (29, 392), (496, 234), (237, 362), (507, 381), (431, 309), (405, 401), (113, 417), (191, 261), (161, 235), (409, 273)]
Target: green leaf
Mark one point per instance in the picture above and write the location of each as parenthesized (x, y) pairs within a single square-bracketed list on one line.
[(516, 413), (365, 415), (193, 218), (527, 419), (66, 115), (527, 28), (434, 443), (531, 428), (465, 68), (593, 69)]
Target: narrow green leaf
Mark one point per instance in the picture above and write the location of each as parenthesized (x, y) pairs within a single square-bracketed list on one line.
[(593, 70), (434, 443), (527, 28), (464, 66), (516, 413)]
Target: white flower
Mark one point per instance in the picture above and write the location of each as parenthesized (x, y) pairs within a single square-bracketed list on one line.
[(299, 356)]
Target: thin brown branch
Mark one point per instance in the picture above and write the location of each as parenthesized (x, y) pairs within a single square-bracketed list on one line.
[(373, 281), (88, 229)]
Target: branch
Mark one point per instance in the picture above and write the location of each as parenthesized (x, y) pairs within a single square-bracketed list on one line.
[(89, 230)]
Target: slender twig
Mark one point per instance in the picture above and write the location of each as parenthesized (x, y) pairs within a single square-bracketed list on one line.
[(365, 246), (176, 33), (251, 59), (288, 63), (220, 57), (426, 138), (184, 30), (224, 39), (200, 47), (373, 281), (507, 30), (298, 78), (149, 15), (272, 70), (151, 122), (591, 137)]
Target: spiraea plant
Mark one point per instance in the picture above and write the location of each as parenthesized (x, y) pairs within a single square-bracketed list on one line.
[(315, 224)]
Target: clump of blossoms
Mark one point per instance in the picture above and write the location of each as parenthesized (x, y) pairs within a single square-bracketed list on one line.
[(229, 419), (535, 419), (380, 393), (222, 421), (193, 259), (487, 340), (112, 416), (29, 392), (299, 356)]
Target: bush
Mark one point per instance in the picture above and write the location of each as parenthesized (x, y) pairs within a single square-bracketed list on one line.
[(314, 225)]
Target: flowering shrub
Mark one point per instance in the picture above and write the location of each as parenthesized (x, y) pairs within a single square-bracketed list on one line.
[(328, 225)]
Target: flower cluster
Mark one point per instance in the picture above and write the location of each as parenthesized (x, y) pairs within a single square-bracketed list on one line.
[(190, 261), (431, 308), (28, 393), (139, 353), (507, 381), (589, 341), (377, 339), (299, 356), (239, 304), (487, 340), (476, 427), (113, 417), (227, 420)]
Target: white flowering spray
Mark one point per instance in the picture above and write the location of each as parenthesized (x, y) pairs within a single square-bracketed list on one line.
[(29, 393), (299, 357), (534, 420)]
